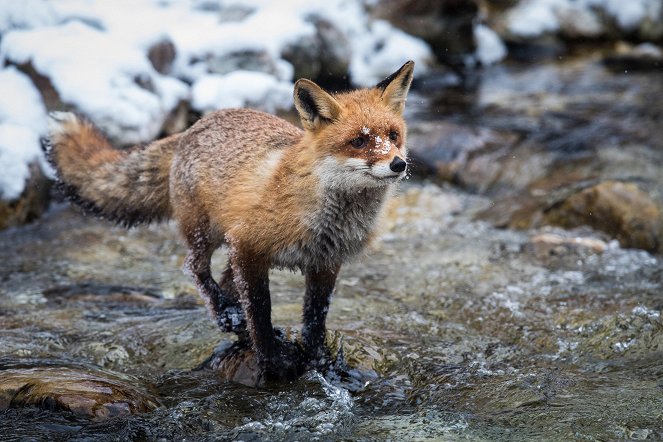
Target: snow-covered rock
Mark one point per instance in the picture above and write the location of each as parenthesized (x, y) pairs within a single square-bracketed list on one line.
[(585, 18), (490, 47), (106, 79), (22, 122), (240, 88), (127, 65)]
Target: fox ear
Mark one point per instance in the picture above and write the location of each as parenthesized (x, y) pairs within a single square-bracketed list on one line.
[(315, 106), (394, 88)]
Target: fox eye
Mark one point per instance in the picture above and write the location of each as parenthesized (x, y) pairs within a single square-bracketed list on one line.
[(358, 142), (393, 135)]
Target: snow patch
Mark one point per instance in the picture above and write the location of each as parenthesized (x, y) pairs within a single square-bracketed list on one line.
[(22, 122), (490, 47), (108, 80), (532, 18), (382, 50), (26, 14), (239, 89), (95, 55)]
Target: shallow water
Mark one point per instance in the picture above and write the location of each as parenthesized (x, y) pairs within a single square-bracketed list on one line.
[(452, 329)]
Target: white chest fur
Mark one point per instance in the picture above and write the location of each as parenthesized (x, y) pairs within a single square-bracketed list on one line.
[(338, 230)]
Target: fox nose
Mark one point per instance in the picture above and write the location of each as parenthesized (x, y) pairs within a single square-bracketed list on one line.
[(397, 165)]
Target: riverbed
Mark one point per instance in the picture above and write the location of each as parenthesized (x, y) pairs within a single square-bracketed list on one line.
[(455, 324)]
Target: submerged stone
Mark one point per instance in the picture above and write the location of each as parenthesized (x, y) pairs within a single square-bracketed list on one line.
[(94, 394)]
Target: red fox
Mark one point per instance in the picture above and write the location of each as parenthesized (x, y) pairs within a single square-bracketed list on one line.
[(274, 194)]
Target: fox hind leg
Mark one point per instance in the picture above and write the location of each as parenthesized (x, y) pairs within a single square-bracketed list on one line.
[(222, 302)]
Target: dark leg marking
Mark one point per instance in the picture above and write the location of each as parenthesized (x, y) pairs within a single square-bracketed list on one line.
[(319, 289), (278, 358), (225, 310)]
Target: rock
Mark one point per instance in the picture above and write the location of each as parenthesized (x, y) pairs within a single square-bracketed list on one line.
[(636, 334), (162, 54), (617, 208), (179, 119), (236, 362), (460, 154), (31, 204), (645, 56), (546, 24), (323, 57), (44, 85), (560, 249), (248, 60), (446, 25), (85, 392)]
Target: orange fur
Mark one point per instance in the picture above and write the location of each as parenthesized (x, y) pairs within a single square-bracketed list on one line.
[(277, 195)]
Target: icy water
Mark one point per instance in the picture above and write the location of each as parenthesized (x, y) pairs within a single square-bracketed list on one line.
[(451, 330)]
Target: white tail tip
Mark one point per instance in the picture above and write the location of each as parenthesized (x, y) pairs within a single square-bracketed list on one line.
[(57, 121)]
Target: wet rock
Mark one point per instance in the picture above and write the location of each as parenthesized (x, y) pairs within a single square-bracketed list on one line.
[(620, 209), (446, 25), (645, 56), (248, 60), (636, 334), (473, 157), (546, 244), (162, 54), (238, 362), (179, 119), (323, 57), (96, 395), (31, 204)]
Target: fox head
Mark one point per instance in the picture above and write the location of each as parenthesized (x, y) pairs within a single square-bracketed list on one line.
[(357, 138)]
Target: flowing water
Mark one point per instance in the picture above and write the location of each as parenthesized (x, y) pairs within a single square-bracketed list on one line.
[(450, 328)]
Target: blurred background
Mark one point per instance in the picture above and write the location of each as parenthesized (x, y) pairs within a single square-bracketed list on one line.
[(548, 106), (514, 293)]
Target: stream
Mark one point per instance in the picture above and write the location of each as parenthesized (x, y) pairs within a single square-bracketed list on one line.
[(454, 326)]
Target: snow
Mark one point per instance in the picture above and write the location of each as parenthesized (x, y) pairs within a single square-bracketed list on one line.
[(95, 55), (105, 78), (490, 48), (25, 14), (532, 18), (629, 14), (378, 54), (240, 88), (22, 122)]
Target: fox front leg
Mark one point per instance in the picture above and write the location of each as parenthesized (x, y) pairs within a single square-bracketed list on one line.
[(277, 358), (319, 289)]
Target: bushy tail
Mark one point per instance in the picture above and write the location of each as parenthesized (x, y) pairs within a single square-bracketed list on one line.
[(129, 187)]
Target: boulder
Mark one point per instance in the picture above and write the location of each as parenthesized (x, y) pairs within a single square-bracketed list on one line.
[(95, 394), (162, 55), (460, 154), (323, 57), (446, 25), (626, 57), (618, 208)]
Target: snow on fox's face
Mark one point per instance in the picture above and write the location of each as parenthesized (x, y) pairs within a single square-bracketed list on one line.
[(367, 157)]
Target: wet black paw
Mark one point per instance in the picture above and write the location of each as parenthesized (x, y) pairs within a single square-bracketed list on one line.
[(319, 358), (232, 319), (287, 361)]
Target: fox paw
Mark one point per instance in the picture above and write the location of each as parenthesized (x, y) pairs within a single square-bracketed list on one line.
[(286, 362), (231, 319), (318, 358)]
